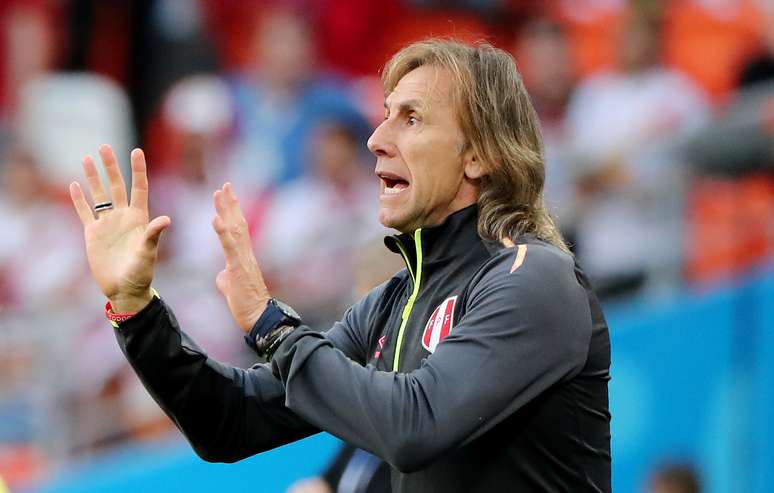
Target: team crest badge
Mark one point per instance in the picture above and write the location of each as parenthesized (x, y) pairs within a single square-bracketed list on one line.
[(440, 324)]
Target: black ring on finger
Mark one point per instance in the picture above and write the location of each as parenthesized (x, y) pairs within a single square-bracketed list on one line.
[(103, 206)]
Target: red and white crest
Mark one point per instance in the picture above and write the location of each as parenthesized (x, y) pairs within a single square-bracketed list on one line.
[(440, 324)]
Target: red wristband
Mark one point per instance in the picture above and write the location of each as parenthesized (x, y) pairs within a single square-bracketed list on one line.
[(117, 318)]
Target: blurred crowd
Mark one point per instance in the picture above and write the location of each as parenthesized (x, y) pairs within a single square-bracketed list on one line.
[(658, 125)]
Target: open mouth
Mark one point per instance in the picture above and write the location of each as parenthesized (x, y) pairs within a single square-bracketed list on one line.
[(393, 183)]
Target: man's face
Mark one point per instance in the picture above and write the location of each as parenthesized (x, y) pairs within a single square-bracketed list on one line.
[(419, 153)]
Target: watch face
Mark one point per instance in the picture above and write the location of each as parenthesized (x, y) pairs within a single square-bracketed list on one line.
[(287, 310)]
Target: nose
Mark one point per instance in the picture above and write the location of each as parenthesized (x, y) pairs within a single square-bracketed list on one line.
[(380, 143)]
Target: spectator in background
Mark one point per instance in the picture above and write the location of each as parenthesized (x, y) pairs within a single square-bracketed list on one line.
[(32, 273), (280, 102), (730, 214), (197, 115), (591, 27), (28, 47), (710, 39), (740, 141), (543, 53), (622, 128), (332, 208), (674, 479)]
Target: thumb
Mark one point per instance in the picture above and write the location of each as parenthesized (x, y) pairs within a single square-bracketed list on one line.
[(154, 230)]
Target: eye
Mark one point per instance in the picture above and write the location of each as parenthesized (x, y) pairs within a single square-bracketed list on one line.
[(411, 120)]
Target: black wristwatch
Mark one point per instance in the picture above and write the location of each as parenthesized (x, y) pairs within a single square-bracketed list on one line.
[(276, 321)]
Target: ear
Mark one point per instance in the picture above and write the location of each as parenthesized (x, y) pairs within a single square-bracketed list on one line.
[(473, 166)]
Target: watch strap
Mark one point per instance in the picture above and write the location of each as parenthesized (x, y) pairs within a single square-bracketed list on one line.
[(268, 345), (268, 324)]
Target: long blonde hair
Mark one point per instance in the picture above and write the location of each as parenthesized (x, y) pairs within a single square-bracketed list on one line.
[(499, 122)]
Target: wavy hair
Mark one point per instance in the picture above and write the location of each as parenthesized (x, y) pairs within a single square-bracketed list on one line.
[(499, 122)]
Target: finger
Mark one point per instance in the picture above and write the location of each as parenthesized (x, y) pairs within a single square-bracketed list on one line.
[(113, 172), (235, 212), (232, 203), (81, 206), (220, 205), (153, 234), (235, 224), (96, 190), (224, 207), (139, 181), (230, 251)]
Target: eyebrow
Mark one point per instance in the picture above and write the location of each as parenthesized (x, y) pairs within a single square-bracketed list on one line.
[(407, 106)]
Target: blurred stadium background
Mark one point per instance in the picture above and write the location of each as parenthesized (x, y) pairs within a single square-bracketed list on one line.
[(658, 118)]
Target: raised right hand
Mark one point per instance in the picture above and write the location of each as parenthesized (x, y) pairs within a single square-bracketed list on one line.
[(241, 281), (121, 244)]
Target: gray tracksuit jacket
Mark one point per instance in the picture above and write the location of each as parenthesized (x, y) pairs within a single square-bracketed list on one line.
[(478, 368)]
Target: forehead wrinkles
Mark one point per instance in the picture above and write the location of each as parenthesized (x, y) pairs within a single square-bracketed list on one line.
[(426, 85)]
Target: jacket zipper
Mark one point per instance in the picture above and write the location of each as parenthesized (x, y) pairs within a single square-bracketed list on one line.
[(410, 303)]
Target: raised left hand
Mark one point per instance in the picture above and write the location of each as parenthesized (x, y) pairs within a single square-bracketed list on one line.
[(121, 242), (241, 281)]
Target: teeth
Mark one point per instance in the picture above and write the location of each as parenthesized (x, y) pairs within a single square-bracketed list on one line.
[(393, 190)]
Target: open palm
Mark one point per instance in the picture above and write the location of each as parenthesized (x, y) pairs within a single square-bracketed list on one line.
[(121, 244)]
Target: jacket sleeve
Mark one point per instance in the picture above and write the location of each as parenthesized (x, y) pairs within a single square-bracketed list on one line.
[(226, 413), (522, 333)]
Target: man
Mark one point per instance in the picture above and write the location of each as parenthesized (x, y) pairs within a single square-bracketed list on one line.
[(481, 367)]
